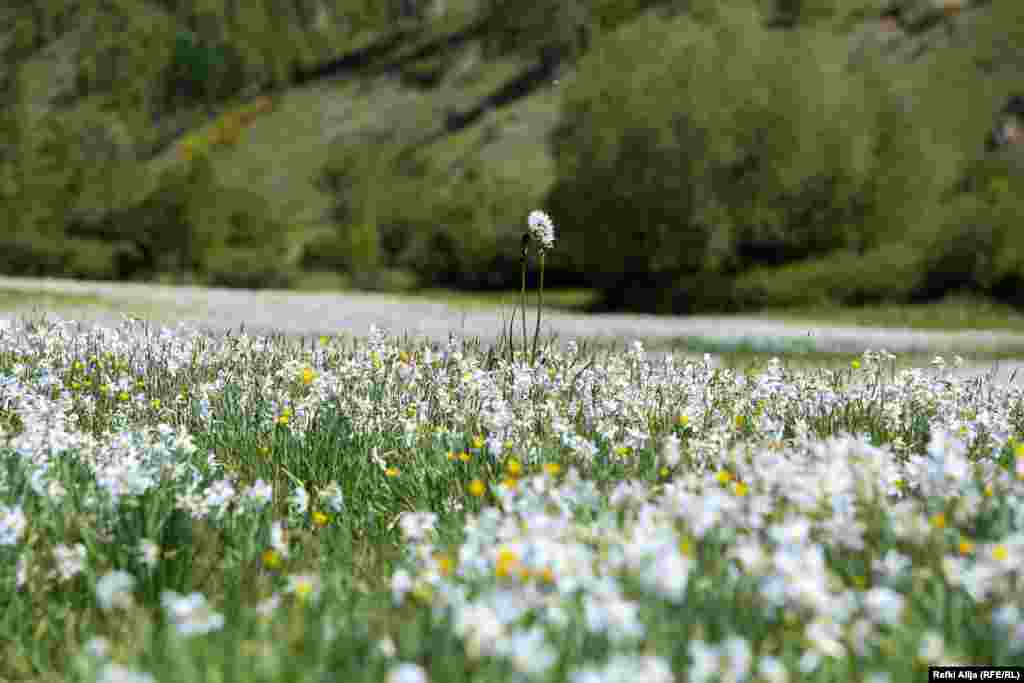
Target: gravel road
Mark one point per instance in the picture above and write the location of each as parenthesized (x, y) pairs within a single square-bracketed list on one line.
[(295, 315)]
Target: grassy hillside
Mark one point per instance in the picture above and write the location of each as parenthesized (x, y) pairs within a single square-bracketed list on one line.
[(344, 78)]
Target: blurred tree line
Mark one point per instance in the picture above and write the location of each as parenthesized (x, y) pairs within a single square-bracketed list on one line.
[(709, 155)]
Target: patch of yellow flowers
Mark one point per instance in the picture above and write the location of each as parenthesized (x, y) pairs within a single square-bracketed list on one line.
[(226, 130)]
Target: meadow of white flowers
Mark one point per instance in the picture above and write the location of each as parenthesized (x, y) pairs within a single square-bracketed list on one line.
[(198, 509), (163, 507)]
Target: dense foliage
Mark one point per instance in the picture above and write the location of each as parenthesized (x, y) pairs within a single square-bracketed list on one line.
[(698, 156)]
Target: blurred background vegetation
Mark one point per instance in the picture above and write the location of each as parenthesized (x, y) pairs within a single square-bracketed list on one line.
[(696, 156)]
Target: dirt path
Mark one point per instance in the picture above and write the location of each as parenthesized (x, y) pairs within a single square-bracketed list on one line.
[(310, 315)]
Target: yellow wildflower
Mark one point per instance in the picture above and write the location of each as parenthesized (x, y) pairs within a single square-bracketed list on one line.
[(444, 564), (271, 559), (506, 562)]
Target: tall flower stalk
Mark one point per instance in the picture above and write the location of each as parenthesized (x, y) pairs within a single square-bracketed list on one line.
[(525, 247), (542, 233)]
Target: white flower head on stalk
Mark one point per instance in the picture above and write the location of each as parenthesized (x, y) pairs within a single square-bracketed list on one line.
[(541, 229)]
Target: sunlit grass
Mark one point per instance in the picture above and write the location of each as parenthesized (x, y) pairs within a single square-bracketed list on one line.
[(953, 314), (11, 299), (956, 312), (34, 303)]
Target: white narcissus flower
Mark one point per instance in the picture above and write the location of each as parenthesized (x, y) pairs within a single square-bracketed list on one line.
[(305, 586), (12, 525), (191, 614), (541, 229), (407, 672), (114, 590), (70, 561)]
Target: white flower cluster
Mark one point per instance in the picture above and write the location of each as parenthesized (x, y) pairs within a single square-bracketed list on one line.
[(542, 230)]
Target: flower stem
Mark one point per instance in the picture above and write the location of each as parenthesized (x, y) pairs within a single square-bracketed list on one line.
[(524, 245), (540, 301)]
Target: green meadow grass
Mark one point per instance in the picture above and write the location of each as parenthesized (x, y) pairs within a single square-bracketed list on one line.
[(31, 303), (308, 119), (247, 509), (955, 312)]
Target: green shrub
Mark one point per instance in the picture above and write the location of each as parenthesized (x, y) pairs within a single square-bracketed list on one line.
[(386, 280), (398, 210), (686, 149), (465, 220), (91, 259), (607, 15), (44, 170), (534, 26), (105, 172), (202, 71), (823, 13), (557, 26), (27, 255), (234, 240), (979, 245), (668, 293), (249, 268), (325, 253), (890, 272), (972, 239), (362, 176), (195, 64), (187, 224)]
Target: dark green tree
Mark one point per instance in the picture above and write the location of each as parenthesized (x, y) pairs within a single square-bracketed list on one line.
[(685, 156)]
